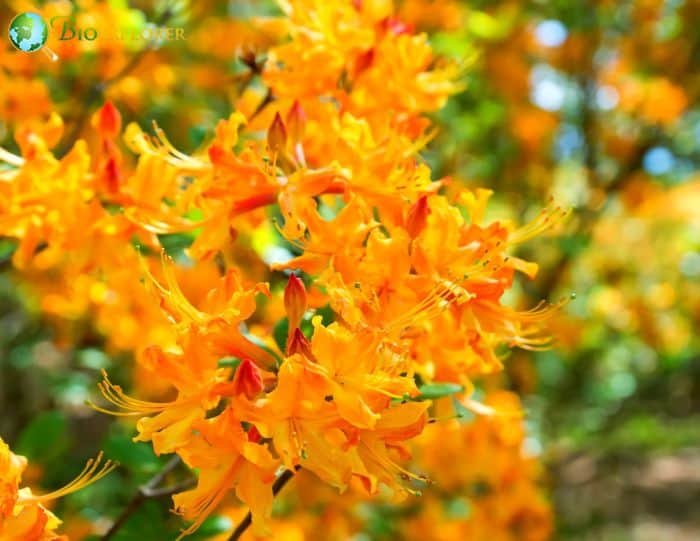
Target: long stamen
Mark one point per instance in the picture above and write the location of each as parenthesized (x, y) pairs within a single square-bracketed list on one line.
[(132, 406), (7, 157), (484, 409), (547, 218), (165, 144), (91, 473), (173, 293), (207, 504), (395, 469), (161, 148), (435, 302)]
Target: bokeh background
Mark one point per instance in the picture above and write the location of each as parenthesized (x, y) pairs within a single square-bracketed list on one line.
[(593, 103)]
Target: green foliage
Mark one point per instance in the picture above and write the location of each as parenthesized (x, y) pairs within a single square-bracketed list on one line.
[(431, 391), (45, 439)]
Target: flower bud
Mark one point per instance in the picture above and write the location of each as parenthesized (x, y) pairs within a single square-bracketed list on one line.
[(298, 343), (296, 122), (294, 301), (277, 135), (108, 120), (248, 379), (417, 217)]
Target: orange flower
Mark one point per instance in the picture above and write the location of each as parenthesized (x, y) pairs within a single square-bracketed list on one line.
[(22, 514)]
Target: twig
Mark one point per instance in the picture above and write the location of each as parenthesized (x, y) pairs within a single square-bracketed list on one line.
[(148, 491), (277, 486), (267, 100)]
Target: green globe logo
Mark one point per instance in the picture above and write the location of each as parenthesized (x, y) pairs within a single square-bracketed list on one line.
[(28, 32)]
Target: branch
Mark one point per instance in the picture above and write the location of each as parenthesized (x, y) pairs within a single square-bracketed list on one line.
[(148, 491), (277, 486)]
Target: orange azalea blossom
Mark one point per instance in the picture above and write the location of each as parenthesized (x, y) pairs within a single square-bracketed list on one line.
[(494, 494), (396, 280), (72, 247), (395, 263), (227, 458), (333, 403), (22, 514)]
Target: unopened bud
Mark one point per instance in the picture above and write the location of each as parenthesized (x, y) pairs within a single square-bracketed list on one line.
[(248, 379), (298, 343), (294, 301), (108, 120), (417, 217), (296, 122), (277, 135)]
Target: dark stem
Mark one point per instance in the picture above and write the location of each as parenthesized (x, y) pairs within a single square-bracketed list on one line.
[(278, 485), (148, 491), (267, 100)]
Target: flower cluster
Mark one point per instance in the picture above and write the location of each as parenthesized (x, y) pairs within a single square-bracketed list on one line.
[(492, 495), (394, 279)]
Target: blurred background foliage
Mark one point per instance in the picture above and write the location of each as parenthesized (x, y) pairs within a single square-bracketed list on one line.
[(593, 103)]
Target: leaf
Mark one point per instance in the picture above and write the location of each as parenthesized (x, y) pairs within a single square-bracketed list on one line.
[(431, 391), (327, 314), (7, 248), (136, 457), (45, 439), (229, 362), (93, 358), (457, 508), (280, 332), (174, 244)]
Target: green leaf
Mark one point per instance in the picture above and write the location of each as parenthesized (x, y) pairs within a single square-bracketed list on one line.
[(93, 358), (136, 457), (457, 508), (280, 332), (431, 391), (45, 439), (175, 243), (7, 248), (327, 314), (229, 362)]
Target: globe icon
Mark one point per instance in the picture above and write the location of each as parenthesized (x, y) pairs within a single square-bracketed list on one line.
[(28, 32)]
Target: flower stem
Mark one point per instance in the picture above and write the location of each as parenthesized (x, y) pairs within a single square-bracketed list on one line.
[(147, 491)]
